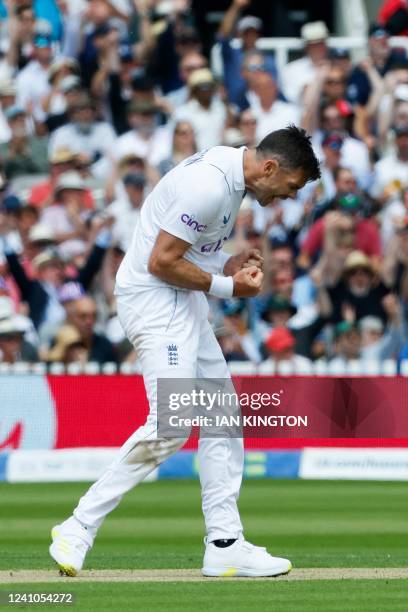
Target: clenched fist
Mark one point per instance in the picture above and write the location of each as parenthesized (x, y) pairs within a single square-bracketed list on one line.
[(248, 258), (248, 282)]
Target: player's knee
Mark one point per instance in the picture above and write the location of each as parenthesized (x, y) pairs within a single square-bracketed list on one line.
[(154, 451)]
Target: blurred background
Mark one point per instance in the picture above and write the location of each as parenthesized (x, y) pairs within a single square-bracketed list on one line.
[(100, 98)]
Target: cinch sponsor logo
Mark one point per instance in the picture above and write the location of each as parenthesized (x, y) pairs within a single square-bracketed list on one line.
[(191, 222)]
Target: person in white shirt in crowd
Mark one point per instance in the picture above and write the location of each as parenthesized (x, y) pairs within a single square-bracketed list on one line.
[(126, 210), (379, 342), (205, 111), (334, 117), (391, 172), (55, 103), (280, 346), (85, 134), (40, 237), (184, 145), (65, 218), (393, 215), (237, 341), (8, 92), (13, 347), (128, 164), (188, 63), (319, 194), (346, 345), (253, 64), (298, 74), (247, 124), (32, 82), (393, 107), (270, 112), (146, 138)]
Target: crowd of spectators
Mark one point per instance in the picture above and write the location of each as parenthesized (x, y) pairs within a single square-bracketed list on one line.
[(100, 98)]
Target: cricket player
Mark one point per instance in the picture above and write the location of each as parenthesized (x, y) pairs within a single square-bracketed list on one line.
[(174, 260)]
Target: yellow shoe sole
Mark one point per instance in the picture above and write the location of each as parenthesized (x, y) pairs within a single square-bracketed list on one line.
[(64, 570), (67, 570)]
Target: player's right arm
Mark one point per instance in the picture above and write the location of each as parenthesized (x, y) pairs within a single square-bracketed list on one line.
[(167, 263)]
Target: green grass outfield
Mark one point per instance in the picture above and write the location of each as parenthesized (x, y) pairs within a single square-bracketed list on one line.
[(159, 525), (324, 596)]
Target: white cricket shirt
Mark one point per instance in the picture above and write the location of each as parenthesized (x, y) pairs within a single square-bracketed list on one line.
[(197, 201)]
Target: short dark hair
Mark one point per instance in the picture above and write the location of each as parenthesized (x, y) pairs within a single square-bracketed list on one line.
[(292, 146)]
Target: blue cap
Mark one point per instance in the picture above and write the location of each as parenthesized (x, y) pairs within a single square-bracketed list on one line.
[(378, 31), (125, 52), (11, 203), (41, 41), (14, 111)]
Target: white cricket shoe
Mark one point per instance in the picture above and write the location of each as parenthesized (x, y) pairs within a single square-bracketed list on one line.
[(242, 559), (70, 544)]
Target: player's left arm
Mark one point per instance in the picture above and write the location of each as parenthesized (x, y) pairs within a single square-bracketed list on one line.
[(167, 263)]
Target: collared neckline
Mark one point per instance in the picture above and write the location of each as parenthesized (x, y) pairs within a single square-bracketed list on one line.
[(238, 169)]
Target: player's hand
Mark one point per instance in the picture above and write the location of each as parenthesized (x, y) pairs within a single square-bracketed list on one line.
[(252, 257), (248, 258), (248, 282)]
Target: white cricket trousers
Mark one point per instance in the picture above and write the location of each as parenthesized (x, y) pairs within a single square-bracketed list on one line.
[(153, 320)]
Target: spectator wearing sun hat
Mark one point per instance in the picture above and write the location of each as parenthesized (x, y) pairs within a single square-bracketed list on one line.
[(359, 290), (39, 238), (61, 69), (60, 161), (65, 217), (204, 111), (68, 347), (42, 293), (84, 133), (298, 74), (13, 347)]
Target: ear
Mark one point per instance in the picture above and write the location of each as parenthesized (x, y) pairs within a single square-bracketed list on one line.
[(271, 167)]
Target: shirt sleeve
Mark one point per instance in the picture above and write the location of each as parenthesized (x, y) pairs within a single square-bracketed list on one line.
[(196, 204), (222, 258)]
